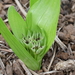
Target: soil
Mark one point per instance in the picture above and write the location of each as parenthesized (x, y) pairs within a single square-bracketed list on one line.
[(63, 61)]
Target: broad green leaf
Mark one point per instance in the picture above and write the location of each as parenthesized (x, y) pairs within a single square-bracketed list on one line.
[(17, 23), (18, 48), (32, 2), (45, 14)]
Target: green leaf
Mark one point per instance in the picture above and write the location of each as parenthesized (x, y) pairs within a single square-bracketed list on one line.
[(17, 24), (32, 2), (45, 14), (18, 48)]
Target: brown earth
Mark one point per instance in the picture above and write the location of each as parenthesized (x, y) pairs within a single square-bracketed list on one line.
[(64, 60)]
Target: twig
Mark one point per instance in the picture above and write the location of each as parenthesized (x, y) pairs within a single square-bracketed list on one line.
[(17, 68), (9, 68), (6, 20), (45, 70), (2, 45), (6, 50), (26, 5), (2, 66), (60, 28), (21, 8), (9, 57), (1, 42), (7, 6), (52, 58), (69, 49), (34, 73), (62, 45), (50, 72), (24, 67)]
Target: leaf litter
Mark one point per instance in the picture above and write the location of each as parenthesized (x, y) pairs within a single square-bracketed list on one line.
[(10, 64)]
